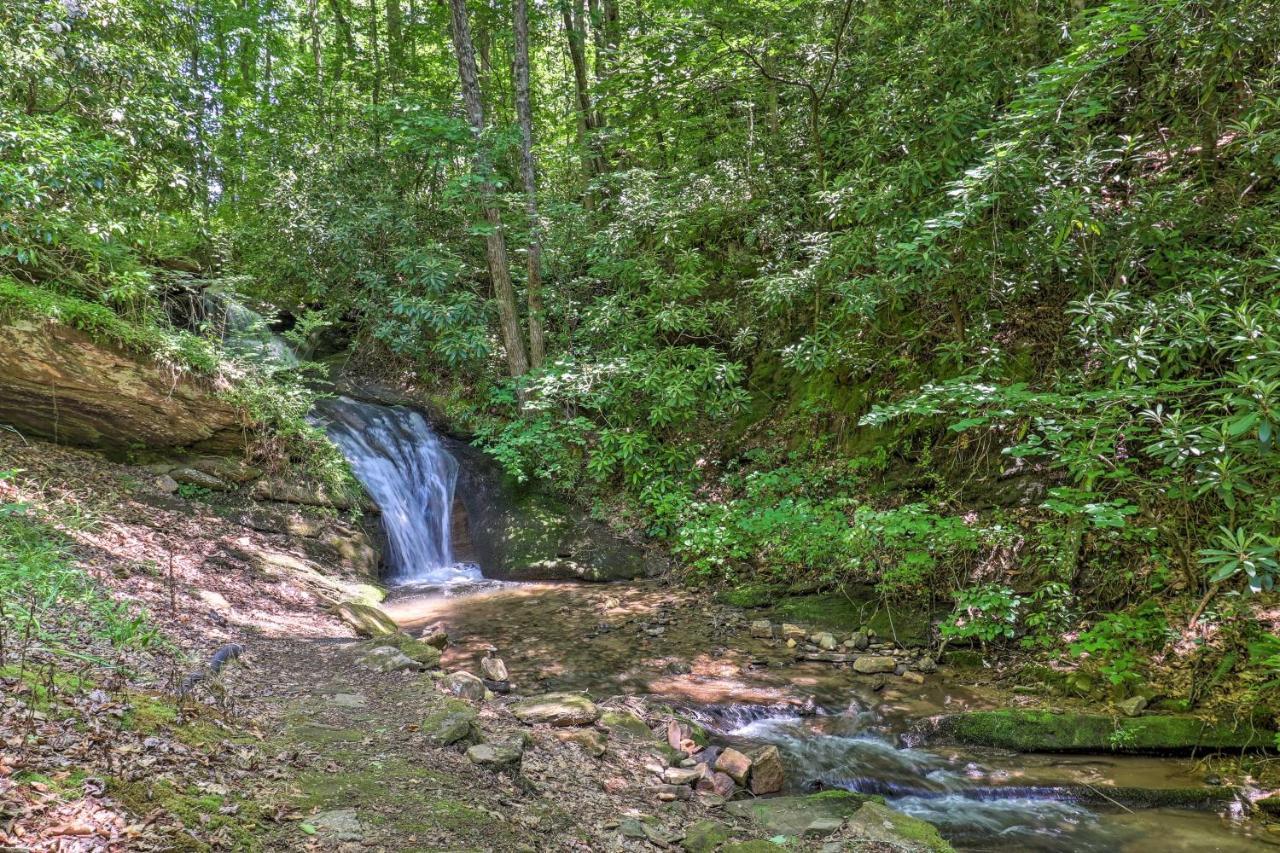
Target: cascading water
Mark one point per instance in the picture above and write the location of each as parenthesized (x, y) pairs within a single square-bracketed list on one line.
[(410, 475)]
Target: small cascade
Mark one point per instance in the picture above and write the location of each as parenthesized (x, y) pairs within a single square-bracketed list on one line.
[(410, 475), (245, 332)]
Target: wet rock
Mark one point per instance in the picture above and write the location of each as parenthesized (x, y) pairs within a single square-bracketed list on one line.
[(388, 659), (1133, 706), (366, 620), (720, 784), (826, 641), (762, 629), (464, 685), (926, 664), (494, 669), (767, 773), (557, 709), (591, 741), (860, 640), (705, 836), (498, 755), (871, 664), (913, 677), (452, 723), (737, 765)]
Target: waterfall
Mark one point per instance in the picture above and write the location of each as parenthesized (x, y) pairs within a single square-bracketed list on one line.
[(410, 475)]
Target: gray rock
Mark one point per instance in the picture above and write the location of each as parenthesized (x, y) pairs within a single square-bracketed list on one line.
[(1133, 706), (192, 477), (871, 664), (762, 629), (453, 722), (496, 756), (827, 641), (464, 685), (494, 669), (388, 659), (860, 640)]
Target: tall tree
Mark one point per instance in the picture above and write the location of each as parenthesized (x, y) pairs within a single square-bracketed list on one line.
[(495, 244), (528, 172), (575, 33)]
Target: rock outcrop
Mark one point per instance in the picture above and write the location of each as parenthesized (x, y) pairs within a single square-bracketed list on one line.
[(59, 383)]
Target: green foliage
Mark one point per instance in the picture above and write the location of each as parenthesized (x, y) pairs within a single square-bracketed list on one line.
[(46, 599), (1118, 643), (986, 613)]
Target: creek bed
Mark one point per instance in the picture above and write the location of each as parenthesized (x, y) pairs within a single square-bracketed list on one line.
[(640, 638)]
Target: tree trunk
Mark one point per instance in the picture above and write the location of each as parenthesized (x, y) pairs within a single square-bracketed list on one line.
[(395, 42), (495, 245), (577, 53), (528, 172)]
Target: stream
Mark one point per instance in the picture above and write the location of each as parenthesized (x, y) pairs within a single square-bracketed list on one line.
[(834, 729)]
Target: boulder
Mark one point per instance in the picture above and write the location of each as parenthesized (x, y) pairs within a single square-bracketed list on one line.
[(737, 765), (762, 629), (427, 656), (464, 685), (826, 641), (556, 709), (59, 383), (767, 773), (367, 620), (1133, 706), (860, 640), (519, 533), (453, 722), (872, 664), (791, 632)]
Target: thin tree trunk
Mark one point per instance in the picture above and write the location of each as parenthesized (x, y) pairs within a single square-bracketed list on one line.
[(586, 115), (528, 172), (495, 245), (395, 43)]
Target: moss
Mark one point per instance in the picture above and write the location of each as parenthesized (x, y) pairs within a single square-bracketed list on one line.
[(626, 726), (750, 595), (836, 611), (106, 327), (1047, 731), (243, 830), (750, 847), (900, 827)]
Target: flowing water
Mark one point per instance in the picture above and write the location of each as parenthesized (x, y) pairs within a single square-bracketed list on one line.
[(410, 475), (646, 639)]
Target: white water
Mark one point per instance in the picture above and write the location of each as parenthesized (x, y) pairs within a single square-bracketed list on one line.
[(411, 476)]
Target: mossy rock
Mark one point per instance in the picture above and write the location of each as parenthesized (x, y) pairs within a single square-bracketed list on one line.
[(427, 655), (625, 725), (367, 620), (792, 816), (453, 722), (878, 823), (1048, 731), (705, 836), (751, 595)]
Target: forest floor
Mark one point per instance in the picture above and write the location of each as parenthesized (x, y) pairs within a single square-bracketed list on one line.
[(314, 751)]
